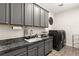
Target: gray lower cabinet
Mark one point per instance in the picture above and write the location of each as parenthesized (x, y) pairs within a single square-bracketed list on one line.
[(48, 46), (32, 52), (17, 52), (37, 15), (36, 49), (41, 50), (16, 13), (29, 14), (4, 13)]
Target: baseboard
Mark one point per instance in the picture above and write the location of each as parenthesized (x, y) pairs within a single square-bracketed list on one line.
[(48, 53)]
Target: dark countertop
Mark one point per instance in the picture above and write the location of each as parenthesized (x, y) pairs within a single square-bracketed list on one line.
[(17, 45)]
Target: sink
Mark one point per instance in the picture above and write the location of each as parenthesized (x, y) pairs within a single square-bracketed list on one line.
[(33, 39)]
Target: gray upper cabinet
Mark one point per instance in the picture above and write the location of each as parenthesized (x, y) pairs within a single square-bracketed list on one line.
[(46, 19), (42, 18), (4, 13), (29, 14), (37, 15), (23, 14), (16, 13)]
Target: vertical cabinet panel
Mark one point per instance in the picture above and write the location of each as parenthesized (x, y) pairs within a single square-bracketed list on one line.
[(22, 14), (42, 18), (48, 46), (41, 50), (36, 15), (2, 12), (46, 19), (16, 13), (7, 13), (29, 14), (47, 49)]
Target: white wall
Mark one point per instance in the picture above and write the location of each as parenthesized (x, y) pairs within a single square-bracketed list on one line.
[(68, 21), (36, 30), (7, 32), (50, 27)]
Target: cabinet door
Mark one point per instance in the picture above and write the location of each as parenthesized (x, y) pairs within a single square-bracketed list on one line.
[(41, 50), (51, 44), (46, 19), (42, 18), (47, 49), (16, 13), (48, 46), (37, 15), (29, 14), (7, 13), (32, 52), (2, 12)]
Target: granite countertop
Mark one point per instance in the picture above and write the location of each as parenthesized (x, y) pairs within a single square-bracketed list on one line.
[(17, 45)]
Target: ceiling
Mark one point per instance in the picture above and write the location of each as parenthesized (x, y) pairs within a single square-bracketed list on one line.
[(53, 7)]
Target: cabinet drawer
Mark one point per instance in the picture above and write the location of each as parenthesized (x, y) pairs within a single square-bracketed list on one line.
[(35, 45), (32, 52), (15, 52), (41, 44), (47, 42)]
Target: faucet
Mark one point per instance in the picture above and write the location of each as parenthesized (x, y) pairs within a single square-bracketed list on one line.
[(31, 32)]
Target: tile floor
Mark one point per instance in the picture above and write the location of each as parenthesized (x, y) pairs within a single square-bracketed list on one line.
[(66, 51)]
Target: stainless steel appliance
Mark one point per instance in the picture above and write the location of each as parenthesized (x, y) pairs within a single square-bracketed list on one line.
[(59, 39)]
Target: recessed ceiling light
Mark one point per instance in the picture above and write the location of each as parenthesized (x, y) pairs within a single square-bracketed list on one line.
[(61, 4)]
